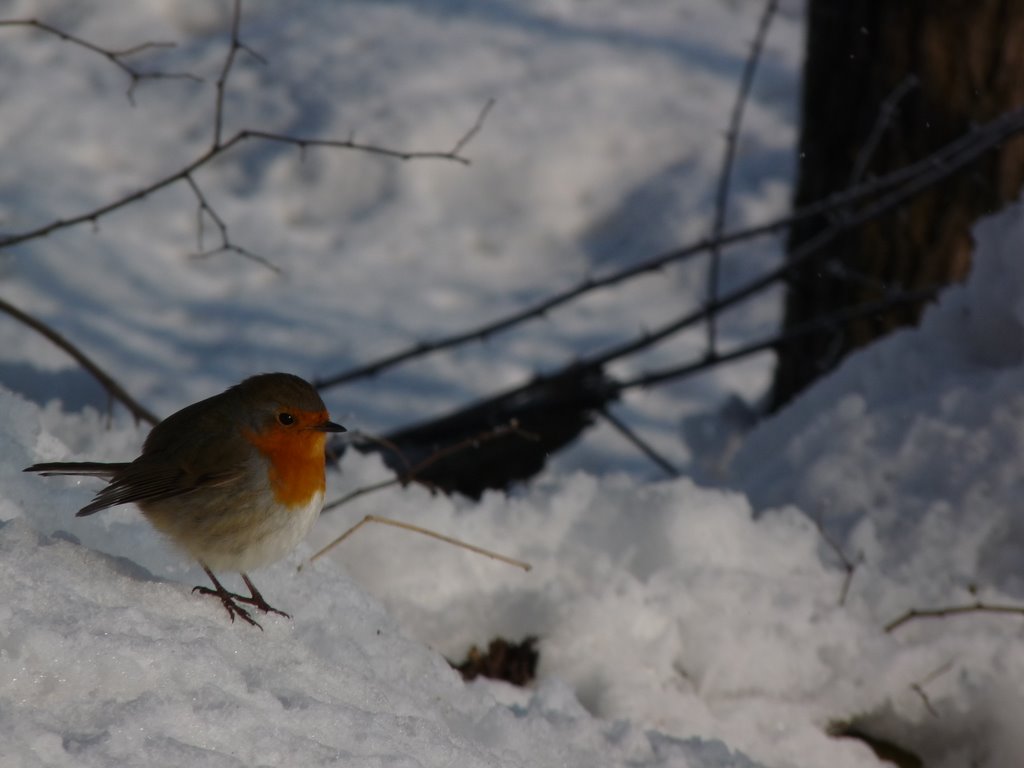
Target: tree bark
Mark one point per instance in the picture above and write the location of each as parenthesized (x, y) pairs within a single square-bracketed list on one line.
[(955, 62)]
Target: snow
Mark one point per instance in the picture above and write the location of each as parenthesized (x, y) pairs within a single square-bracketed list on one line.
[(679, 624)]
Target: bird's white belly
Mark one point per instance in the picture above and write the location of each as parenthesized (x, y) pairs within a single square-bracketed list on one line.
[(266, 537)]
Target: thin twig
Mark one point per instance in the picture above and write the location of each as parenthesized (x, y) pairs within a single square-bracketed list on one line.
[(412, 475), (811, 250), (882, 122), (788, 336), (363, 491), (220, 87), (953, 610), (114, 390), (844, 272), (918, 687), (474, 129), (849, 566), (204, 210), (653, 378), (646, 448), (426, 532), (117, 57), (729, 157), (220, 146), (921, 174), (657, 377), (370, 149), (383, 442), (235, 45), (185, 173), (95, 214)]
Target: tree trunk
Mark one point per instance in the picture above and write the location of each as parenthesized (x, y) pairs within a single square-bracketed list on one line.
[(954, 63)]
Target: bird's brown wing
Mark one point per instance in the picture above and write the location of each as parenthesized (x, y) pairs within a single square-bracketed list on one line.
[(141, 480), (186, 464), (143, 483), (193, 449)]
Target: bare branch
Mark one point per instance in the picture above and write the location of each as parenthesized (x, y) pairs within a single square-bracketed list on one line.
[(795, 333), (218, 147), (729, 157), (371, 149), (474, 129), (117, 57), (114, 390), (918, 687), (235, 45), (383, 442), (525, 392), (848, 565), (203, 210), (237, 249), (96, 214), (914, 178), (222, 78), (181, 174), (505, 430), (882, 122), (810, 251), (953, 610), (131, 50), (646, 448)]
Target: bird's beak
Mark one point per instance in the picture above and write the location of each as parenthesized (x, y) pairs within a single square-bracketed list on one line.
[(329, 426)]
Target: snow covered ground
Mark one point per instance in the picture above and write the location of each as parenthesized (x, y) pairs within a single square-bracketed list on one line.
[(678, 625)]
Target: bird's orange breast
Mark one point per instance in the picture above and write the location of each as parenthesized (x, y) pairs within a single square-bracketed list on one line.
[(296, 458)]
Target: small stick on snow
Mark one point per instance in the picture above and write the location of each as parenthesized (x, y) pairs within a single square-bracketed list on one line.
[(426, 532)]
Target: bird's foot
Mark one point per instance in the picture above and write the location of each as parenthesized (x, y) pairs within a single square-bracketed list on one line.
[(256, 599), (229, 601)]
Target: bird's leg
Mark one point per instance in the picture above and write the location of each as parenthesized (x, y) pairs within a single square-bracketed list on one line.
[(227, 599), (257, 601)]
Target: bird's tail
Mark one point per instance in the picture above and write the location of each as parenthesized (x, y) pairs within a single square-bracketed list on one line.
[(86, 468)]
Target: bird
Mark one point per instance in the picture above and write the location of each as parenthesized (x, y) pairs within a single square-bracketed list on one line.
[(235, 480)]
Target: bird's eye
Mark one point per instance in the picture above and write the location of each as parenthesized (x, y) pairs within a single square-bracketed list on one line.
[(286, 418)]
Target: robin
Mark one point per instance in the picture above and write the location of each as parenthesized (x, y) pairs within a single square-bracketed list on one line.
[(235, 480)]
